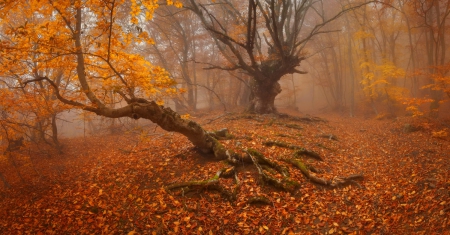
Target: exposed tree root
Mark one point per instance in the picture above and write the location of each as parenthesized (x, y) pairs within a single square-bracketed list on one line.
[(291, 125), (211, 184), (336, 182), (300, 150), (329, 136), (305, 171), (284, 184), (208, 182), (259, 200), (303, 119), (247, 116), (269, 171), (222, 134), (281, 144), (263, 160), (308, 153), (284, 135), (216, 118), (324, 147)]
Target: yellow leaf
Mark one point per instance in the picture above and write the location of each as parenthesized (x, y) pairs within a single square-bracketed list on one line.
[(178, 4), (185, 116)]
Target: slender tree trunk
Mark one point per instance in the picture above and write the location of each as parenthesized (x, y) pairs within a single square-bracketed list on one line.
[(366, 60), (55, 133), (415, 80), (351, 72)]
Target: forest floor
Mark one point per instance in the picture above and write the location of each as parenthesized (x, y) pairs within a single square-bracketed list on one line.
[(115, 184)]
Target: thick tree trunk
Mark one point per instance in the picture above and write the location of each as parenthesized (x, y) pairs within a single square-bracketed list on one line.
[(168, 120), (262, 99)]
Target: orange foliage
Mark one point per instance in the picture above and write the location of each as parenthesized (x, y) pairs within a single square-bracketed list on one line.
[(39, 40)]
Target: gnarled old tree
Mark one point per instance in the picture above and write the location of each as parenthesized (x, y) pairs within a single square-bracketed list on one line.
[(95, 40), (266, 39)]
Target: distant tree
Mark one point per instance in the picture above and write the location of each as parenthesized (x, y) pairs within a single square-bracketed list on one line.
[(265, 39)]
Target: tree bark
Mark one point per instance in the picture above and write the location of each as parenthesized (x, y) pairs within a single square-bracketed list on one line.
[(262, 99)]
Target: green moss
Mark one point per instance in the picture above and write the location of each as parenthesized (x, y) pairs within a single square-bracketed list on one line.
[(299, 152), (294, 126), (255, 153), (276, 143), (323, 146), (305, 152), (269, 169), (299, 164), (216, 177), (219, 150), (292, 184)]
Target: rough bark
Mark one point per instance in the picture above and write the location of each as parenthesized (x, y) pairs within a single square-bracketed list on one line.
[(169, 120), (262, 99)]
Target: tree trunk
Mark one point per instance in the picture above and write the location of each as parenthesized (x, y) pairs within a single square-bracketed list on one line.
[(168, 120), (55, 133), (262, 99)]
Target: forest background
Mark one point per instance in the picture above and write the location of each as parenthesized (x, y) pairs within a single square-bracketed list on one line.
[(103, 68)]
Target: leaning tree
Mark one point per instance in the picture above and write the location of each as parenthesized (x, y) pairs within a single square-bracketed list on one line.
[(266, 39), (99, 41)]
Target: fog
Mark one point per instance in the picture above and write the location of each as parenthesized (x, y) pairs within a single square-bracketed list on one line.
[(224, 117)]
